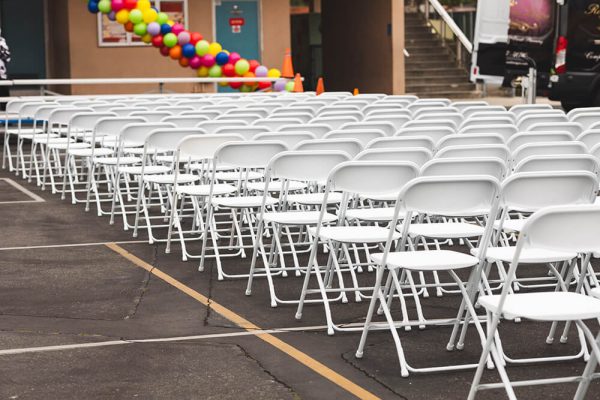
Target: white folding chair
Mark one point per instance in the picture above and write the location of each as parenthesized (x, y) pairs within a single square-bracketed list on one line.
[(558, 162), (151, 116), (542, 148), (467, 151), (387, 128), (590, 138), (212, 126), (572, 127), (460, 139), (398, 142), (461, 105), (522, 138), (468, 111), (517, 109), (248, 132), (435, 133), (364, 136), (506, 130), (318, 129), (528, 121), (350, 146), (274, 124), (491, 166), (415, 155), (291, 139), (586, 120)]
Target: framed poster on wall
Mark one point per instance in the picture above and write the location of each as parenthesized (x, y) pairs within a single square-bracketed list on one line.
[(113, 34)]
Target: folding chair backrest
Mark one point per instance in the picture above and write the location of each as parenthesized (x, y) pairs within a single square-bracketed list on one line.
[(125, 111), (399, 142), (526, 122), (460, 139), (416, 155), (530, 191), (247, 118), (291, 139), (540, 113), (417, 105), (461, 105), (441, 123), (387, 128), (333, 122), (469, 151), (590, 138), (536, 137), (559, 162), (506, 130), (517, 109), (166, 140), (204, 146), (383, 107), (474, 121), (389, 112), (30, 109), (220, 108), (303, 116), (248, 132), (350, 146), (258, 112), (493, 114), (254, 154), (410, 98), (275, 123), (268, 108), (308, 166), (150, 116), (314, 106), (469, 195), (563, 228), (468, 111), (213, 126), (434, 133), (433, 110), (543, 148), (185, 121), (491, 166), (86, 121), (318, 129), (195, 104), (151, 105), (586, 119), (372, 178), (359, 116), (397, 121), (62, 116), (131, 133), (455, 117), (582, 110), (364, 136), (572, 127), (350, 108)]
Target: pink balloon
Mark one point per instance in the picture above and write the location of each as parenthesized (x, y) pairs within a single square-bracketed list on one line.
[(195, 62), (234, 57), (208, 60), (177, 29), (117, 5)]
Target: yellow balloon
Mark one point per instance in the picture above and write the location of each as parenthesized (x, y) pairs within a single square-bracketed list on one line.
[(122, 16), (143, 5), (203, 72), (170, 22), (150, 15), (215, 48), (223, 84), (147, 38), (274, 73), (226, 52)]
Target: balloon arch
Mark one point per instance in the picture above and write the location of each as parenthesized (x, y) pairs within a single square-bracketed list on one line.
[(190, 49)]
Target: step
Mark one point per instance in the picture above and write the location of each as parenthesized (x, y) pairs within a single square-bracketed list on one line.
[(440, 79), (434, 73), (420, 65), (440, 87), (453, 94)]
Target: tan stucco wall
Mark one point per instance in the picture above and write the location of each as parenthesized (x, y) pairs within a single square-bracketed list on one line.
[(88, 60)]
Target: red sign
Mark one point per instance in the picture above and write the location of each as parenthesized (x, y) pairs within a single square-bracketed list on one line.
[(237, 21)]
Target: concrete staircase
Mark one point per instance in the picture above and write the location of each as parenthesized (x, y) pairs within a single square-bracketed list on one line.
[(431, 69)]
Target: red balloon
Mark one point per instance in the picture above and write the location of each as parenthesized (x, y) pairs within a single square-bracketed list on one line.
[(165, 50), (228, 70), (175, 52), (130, 4), (236, 85), (253, 65), (184, 62), (264, 85), (157, 41), (129, 26), (195, 37)]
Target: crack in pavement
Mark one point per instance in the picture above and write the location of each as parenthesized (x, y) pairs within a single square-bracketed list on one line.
[(209, 270), (146, 284)]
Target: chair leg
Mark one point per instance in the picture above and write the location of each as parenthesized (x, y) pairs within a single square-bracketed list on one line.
[(590, 367)]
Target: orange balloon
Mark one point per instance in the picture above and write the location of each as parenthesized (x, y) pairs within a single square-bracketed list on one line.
[(129, 26), (175, 52), (250, 75), (184, 62)]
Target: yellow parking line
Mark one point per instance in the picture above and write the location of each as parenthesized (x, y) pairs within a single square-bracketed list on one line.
[(237, 319)]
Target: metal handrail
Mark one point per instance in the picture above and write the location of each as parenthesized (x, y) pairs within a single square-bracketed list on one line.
[(437, 6)]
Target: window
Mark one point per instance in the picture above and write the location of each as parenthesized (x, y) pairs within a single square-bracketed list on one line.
[(113, 34)]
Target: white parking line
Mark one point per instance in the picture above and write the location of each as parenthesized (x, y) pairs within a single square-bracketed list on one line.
[(51, 246), (156, 340), (34, 197)]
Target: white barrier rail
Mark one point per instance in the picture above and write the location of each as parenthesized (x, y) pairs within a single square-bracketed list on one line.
[(107, 81)]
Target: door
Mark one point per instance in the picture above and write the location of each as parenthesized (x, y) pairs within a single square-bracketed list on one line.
[(237, 28)]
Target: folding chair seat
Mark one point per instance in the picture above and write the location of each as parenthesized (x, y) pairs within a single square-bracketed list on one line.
[(435, 133), (387, 128), (468, 111), (586, 120), (568, 229), (292, 166), (212, 126), (366, 178), (319, 130), (453, 197), (333, 122), (460, 139), (544, 148), (436, 124), (467, 151), (528, 121), (398, 121), (517, 109), (399, 142), (522, 138), (245, 156), (291, 139), (364, 136), (461, 105), (490, 166), (274, 124), (350, 146), (572, 127), (506, 130)]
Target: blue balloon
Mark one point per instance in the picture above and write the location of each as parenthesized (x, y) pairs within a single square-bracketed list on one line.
[(188, 50), (222, 58), (165, 28), (93, 7)]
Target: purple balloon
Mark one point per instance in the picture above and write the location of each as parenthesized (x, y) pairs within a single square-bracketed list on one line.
[(183, 38), (195, 62), (279, 85), (112, 16), (261, 71), (208, 60), (153, 28)]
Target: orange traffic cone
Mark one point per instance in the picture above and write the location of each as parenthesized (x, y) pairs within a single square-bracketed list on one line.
[(287, 71), (298, 87), (320, 87), (356, 92)]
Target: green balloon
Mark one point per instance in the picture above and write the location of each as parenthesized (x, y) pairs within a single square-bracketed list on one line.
[(246, 89), (140, 29), (162, 18), (289, 86), (215, 71), (242, 66), (136, 16), (202, 48), (104, 6), (170, 39)]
